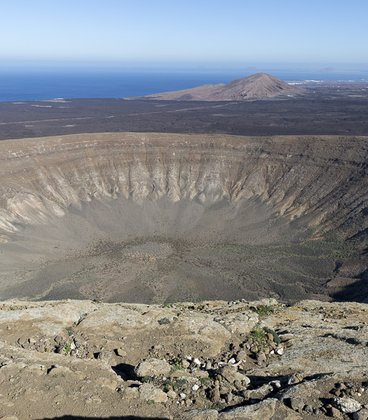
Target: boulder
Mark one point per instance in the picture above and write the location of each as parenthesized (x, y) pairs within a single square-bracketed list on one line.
[(149, 392), (153, 368)]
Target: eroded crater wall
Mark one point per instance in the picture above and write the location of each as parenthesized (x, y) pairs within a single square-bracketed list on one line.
[(204, 214)]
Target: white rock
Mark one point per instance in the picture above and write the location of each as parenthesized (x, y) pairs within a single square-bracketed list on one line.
[(277, 384), (348, 405)]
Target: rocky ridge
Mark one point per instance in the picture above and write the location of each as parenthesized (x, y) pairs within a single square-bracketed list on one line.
[(208, 360)]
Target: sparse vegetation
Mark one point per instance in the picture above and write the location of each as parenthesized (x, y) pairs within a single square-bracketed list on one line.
[(67, 348), (167, 386), (264, 310), (176, 364), (258, 338), (178, 384)]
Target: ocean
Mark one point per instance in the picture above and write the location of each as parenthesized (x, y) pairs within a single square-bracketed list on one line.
[(33, 85)]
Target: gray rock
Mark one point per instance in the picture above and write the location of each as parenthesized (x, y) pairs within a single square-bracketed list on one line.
[(259, 393), (286, 337), (57, 370), (172, 394), (231, 375), (153, 368), (317, 412), (105, 356), (308, 409), (297, 404), (242, 355), (121, 352), (164, 321), (361, 414), (208, 365), (261, 358), (295, 379), (215, 394), (149, 392), (37, 369), (185, 364), (263, 410), (335, 413), (200, 415), (131, 393)]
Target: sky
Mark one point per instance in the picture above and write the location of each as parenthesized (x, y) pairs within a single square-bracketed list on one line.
[(219, 33)]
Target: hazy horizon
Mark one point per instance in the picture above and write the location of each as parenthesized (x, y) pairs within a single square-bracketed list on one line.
[(207, 34), (193, 67)]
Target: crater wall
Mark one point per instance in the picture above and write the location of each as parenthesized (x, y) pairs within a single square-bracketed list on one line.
[(160, 217)]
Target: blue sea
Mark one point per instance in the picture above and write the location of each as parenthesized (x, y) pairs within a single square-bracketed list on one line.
[(40, 85)]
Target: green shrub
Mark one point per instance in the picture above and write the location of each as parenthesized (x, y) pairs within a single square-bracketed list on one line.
[(264, 310)]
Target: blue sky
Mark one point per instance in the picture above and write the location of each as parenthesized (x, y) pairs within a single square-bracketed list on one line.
[(185, 32)]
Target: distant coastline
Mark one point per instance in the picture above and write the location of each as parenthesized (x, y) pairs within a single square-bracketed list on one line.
[(29, 86)]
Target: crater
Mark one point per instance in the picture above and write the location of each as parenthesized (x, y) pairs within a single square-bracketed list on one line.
[(155, 218)]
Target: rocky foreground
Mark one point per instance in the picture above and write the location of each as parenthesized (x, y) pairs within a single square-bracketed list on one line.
[(209, 360)]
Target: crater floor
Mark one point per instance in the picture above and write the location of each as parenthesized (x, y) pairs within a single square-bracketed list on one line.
[(154, 218)]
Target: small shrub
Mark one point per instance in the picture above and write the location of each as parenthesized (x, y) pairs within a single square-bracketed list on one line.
[(176, 364), (179, 384), (258, 334), (264, 310), (258, 337), (67, 348), (167, 386)]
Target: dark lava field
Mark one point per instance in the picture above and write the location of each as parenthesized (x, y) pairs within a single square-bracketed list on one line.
[(328, 109)]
